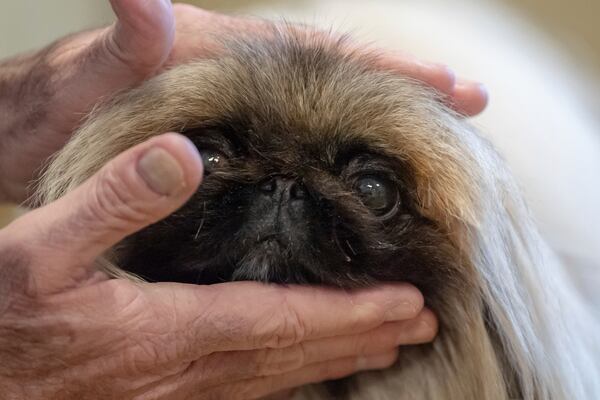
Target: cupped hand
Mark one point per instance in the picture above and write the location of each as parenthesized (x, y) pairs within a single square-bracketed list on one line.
[(69, 332), (45, 95)]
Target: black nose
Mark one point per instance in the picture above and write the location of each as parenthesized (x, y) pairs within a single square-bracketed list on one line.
[(283, 188)]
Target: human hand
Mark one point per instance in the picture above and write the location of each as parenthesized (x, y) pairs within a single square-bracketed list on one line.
[(69, 332), (45, 95)]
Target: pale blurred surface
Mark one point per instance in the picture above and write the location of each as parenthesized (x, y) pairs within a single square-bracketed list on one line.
[(7, 213), (27, 24), (540, 59)]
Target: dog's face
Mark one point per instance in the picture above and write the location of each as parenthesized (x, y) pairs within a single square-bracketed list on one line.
[(319, 168), (322, 168), (297, 191)]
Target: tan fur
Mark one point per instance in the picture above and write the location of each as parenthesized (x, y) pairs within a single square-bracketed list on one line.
[(515, 329)]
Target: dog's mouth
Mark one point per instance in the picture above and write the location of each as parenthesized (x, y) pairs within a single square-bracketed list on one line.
[(270, 241)]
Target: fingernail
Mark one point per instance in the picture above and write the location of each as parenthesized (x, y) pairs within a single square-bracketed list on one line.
[(161, 171), (463, 84), (417, 331), (379, 361), (484, 92), (402, 311), (424, 331), (449, 72), (444, 77)]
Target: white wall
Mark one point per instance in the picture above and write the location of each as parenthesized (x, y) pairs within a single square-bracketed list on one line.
[(29, 24)]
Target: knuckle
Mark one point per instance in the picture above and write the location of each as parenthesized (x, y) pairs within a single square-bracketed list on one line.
[(285, 326), (147, 343), (141, 357), (109, 45), (112, 198), (147, 352), (278, 361), (126, 297)]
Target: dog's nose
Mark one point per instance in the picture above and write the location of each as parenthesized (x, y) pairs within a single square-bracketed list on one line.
[(282, 187)]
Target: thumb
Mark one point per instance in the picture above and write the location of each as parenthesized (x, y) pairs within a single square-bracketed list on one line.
[(137, 188), (100, 62), (143, 34)]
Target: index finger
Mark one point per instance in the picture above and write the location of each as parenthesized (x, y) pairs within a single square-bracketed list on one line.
[(435, 75), (249, 315)]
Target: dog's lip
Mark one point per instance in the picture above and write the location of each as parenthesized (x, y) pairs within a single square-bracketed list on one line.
[(271, 238), (271, 244), (268, 237)]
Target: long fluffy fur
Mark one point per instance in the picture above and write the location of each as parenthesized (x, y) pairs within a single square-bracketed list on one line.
[(513, 327)]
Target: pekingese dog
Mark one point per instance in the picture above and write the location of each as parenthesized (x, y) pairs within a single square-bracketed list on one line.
[(321, 168)]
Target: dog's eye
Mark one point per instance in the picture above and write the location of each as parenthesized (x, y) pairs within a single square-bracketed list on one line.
[(213, 160), (378, 194)]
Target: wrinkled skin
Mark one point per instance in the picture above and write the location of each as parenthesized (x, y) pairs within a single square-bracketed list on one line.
[(68, 332)]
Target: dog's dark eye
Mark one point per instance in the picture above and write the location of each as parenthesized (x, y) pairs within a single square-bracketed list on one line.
[(213, 160), (378, 194)]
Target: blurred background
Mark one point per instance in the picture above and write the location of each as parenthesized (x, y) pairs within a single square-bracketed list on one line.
[(28, 24), (540, 60)]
